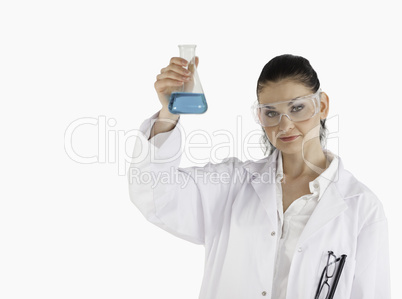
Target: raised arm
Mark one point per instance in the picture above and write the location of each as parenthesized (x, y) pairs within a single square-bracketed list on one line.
[(188, 202)]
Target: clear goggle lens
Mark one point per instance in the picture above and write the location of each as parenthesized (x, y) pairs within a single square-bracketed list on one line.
[(296, 110)]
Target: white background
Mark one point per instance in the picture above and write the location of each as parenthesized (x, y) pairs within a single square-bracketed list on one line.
[(68, 229)]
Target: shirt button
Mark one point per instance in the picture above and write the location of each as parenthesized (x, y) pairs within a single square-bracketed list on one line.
[(300, 249), (273, 234), (316, 185), (264, 293)]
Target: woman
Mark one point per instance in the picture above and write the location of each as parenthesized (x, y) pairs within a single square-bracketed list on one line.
[(311, 231)]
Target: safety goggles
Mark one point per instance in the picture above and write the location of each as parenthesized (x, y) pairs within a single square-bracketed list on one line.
[(296, 110)]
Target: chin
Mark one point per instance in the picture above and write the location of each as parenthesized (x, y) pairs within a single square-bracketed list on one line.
[(289, 148)]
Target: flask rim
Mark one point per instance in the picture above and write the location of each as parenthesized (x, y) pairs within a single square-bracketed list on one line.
[(187, 45)]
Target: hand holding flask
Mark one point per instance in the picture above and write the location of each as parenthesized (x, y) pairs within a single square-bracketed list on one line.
[(188, 98)]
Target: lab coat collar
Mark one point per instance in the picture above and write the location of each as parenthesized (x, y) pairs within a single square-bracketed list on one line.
[(332, 203), (266, 165)]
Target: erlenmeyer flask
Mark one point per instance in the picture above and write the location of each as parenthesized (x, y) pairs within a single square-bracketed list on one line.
[(189, 98)]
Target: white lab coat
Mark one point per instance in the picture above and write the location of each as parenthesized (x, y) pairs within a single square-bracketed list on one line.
[(235, 214)]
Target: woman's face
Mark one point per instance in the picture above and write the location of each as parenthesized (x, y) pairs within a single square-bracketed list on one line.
[(288, 136)]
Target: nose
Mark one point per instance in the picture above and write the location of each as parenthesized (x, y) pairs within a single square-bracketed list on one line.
[(285, 124)]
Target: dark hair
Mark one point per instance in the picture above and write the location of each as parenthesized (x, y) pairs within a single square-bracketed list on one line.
[(292, 67)]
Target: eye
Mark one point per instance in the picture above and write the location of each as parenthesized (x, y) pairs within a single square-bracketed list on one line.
[(297, 108), (271, 113)]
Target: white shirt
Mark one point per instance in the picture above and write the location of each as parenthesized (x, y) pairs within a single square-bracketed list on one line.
[(231, 209), (294, 220)]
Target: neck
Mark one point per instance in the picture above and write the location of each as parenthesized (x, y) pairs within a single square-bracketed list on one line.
[(295, 165)]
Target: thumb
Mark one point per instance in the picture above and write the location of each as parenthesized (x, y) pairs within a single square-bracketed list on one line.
[(196, 61)]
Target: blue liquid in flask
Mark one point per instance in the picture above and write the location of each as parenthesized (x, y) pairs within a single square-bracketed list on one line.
[(187, 103)]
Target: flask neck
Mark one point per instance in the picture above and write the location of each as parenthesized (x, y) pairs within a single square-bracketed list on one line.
[(188, 52)]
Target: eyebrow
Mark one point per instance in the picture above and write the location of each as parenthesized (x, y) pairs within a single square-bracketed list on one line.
[(290, 103)]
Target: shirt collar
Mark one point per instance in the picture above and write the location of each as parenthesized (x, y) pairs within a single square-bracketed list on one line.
[(320, 184)]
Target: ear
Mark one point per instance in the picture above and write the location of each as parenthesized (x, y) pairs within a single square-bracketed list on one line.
[(324, 105)]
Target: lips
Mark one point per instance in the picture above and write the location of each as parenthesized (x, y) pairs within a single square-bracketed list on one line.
[(289, 138)]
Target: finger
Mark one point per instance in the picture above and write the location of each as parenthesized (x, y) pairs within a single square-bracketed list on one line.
[(162, 85), (193, 65), (175, 69), (173, 75), (178, 61)]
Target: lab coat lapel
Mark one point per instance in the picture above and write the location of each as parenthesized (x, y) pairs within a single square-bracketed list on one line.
[(266, 192), (329, 207), (262, 179)]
